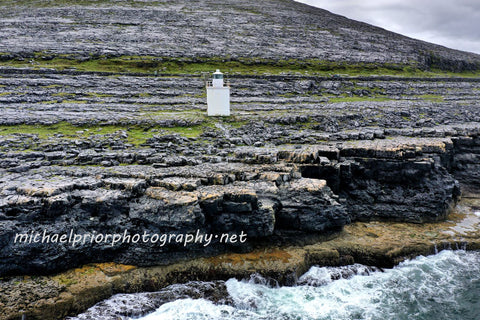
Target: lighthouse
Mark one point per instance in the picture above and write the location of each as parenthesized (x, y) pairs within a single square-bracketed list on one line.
[(218, 96)]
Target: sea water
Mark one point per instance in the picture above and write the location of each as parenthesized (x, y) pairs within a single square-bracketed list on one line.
[(442, 286)]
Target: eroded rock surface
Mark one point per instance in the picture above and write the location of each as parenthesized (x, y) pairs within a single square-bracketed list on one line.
[(311, 189)]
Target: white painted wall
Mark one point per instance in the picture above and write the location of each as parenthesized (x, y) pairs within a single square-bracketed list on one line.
[(218, 101)]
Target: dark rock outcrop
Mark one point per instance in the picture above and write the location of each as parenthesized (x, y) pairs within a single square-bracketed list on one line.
[(308, 190), (33, 212), (467, 162), (389, 180)]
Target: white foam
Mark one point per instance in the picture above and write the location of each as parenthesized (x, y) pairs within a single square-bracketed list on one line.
[(423, 288), (316, 277), (191, 309)]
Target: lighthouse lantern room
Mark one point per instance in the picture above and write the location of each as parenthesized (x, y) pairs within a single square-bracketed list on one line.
[(218, 96)]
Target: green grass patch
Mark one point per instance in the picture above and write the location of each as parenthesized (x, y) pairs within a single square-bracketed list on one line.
[(63, 94), (357, 99), (98, 95), (189, 132), (43, 131), (447, 74), (51, 86), (191, 95), (160, 65), (136, 135), (431, 97), (75, 101)]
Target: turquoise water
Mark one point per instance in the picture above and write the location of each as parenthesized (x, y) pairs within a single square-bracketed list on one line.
[(443, 286)]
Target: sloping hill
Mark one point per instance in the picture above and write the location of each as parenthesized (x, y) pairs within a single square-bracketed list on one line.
[(245, 30)]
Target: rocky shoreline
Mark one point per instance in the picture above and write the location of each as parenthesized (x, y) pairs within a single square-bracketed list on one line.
[(372, 243)]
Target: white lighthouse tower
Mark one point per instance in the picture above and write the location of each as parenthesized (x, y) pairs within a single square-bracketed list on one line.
[(218, 96)]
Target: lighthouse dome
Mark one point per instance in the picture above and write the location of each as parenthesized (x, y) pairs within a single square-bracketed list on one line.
[(217, 75)]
